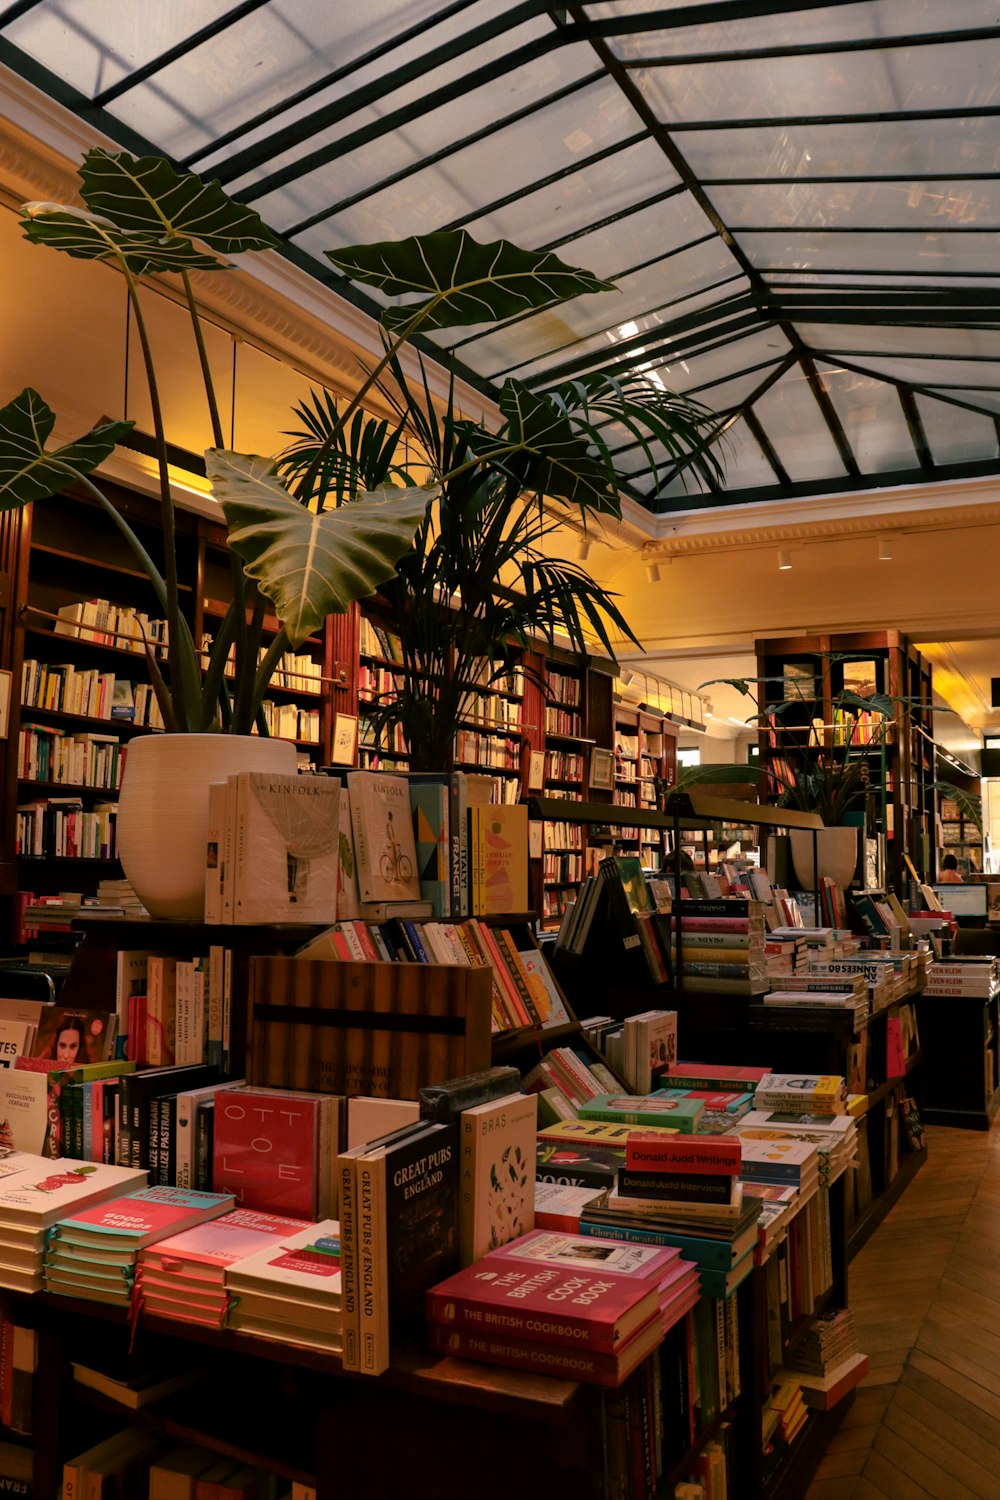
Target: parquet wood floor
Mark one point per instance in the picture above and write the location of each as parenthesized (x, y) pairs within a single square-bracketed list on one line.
[(926, 1293)]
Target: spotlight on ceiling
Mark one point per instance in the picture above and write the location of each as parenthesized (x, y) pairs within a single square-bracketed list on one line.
[(884, 550), (583, 547), (784, 559), (653, 572)]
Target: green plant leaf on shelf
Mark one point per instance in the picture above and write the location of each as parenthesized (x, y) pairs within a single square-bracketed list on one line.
[(309, 565), (27, 470), (460, 281), (146, 194)]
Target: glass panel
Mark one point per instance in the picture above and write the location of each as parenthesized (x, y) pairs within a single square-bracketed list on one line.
[(930, 373), (434, 128), (986, 400), (723, 395), (856, 205), (823, 84), (907, 148), (872, 417), (791, 417), (891, 18), (697, 371), (876, 252), (933, 342), (595, 192), (743, 460), (955, 435), (846, 279)]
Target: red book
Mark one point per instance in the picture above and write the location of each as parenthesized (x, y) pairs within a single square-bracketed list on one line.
[(588, 1365), (714, 1154), (266, 1150), (736, 1076), (544, 1303)]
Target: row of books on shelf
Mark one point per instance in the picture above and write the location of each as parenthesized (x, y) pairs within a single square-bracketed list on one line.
[(289, 721), (65, 688), (135, 1462), (106, 624), (296, 671), (64, 828), (88, 759)]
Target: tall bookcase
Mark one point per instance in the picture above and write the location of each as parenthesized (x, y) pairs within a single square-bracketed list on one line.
[(818, 670)]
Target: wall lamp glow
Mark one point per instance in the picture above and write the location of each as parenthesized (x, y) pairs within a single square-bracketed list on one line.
[(884, 550), (784, 559)]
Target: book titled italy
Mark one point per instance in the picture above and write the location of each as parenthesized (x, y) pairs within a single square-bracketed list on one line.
[(384, 846), (287, 853)]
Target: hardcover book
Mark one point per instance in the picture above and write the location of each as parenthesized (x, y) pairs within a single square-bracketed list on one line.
[(287, 848), (384, 846), (580, 1163), (36, 1191), (304, 1263), (710, 1155), (429, 796), (588, 1365), (204, 1252), (496, 1200), (269, 1147), (498, 858), (663, 1108), (136, 1219), (545, 1302)]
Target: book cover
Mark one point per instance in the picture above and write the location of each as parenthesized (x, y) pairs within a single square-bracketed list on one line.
[(429, 797), (56, 1078), (649, 1264), (384, 846), (24, 1110), (305, 1261), (497, 1174), (710, 1155), (638, 1109), (266, 1150), (288, 848), (601, 1132), (580, 1163), (36, 1191), (695, 1188), (498, 858), (67, 1036), (588, 1365), (542, 1301), (558, 1205), (206, 1250), (135, 1219)]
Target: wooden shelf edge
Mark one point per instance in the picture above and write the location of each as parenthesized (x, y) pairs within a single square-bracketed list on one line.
[(865, 1226)]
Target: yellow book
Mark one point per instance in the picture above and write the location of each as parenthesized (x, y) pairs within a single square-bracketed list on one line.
[(607, 1132)]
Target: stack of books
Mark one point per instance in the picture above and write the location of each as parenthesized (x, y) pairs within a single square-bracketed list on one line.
[(183, 1276), (290, 1290), (779, 1203), (35, 1192), (721, 945), (564, 1304), (816, 1093), (787, 1163), (977, 977), (826, 1361), (832, 992), (785, 1399), (93, 1253), (672, 1107), (835, 1136)]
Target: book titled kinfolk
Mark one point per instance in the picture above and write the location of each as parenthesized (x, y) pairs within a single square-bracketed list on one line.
[(287, 848), (384, 845)]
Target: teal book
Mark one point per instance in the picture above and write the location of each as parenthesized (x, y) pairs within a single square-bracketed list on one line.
[(429, 797), (710, 1254), (666, 1107)]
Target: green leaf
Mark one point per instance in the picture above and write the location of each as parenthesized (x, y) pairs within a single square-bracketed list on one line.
[(310, 565), (460, 281), (91, 238), (564, 469), (145, 195), (27, 471)]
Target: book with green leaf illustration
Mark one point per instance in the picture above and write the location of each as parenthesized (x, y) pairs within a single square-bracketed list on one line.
[(496, 1187)]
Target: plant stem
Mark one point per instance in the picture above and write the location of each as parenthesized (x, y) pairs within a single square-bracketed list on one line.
[(206, 370)]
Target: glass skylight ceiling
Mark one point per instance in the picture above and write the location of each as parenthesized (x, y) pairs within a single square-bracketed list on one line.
[(798, 204)]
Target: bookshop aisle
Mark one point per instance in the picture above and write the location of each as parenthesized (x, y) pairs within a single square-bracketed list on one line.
[(926, 1295)]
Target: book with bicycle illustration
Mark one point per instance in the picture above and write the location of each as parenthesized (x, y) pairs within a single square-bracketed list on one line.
[(384, 847), (286, 847)]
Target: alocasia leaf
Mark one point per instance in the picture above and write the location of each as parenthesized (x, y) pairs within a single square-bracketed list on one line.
[(27, 470)]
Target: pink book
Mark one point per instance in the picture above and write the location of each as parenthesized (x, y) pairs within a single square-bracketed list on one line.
[(548, 1304), (204, 1252), (137, 1219), (631, 1260)]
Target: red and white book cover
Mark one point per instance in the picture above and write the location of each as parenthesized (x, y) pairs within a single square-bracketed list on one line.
[(266, 1150), (205, 1251), (305, 1261), (35, 1191), (544, 1303), (712, 1154), (137, 1219), (632, 1259), (558, 1205)]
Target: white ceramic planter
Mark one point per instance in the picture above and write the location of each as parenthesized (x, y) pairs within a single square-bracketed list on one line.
[(163, 811), (836, 854)]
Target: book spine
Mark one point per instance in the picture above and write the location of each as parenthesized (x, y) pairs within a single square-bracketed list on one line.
[(349, 1305), (683, 1187), (373, 1340), (549, 1359), (204, 1145)]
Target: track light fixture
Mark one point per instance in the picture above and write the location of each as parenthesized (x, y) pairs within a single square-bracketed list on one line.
[(884, 550), (583, 547), (653, 572), (784, 559)]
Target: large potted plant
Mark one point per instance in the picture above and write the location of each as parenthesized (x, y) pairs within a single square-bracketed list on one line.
[(349, 511)]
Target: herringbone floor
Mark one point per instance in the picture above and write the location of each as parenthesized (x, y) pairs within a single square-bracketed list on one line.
[(926, 1292)]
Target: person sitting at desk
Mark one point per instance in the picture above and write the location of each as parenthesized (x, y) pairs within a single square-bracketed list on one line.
[(949, 871)]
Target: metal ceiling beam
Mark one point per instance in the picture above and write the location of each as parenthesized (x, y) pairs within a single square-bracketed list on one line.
[(862, 117), (791, 49), (452, 148), (931, 392), (668, 351), (870, 179), (826, 406), (173, 54), (363, 60), (376, 92), (16, 11), (918, 436)]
